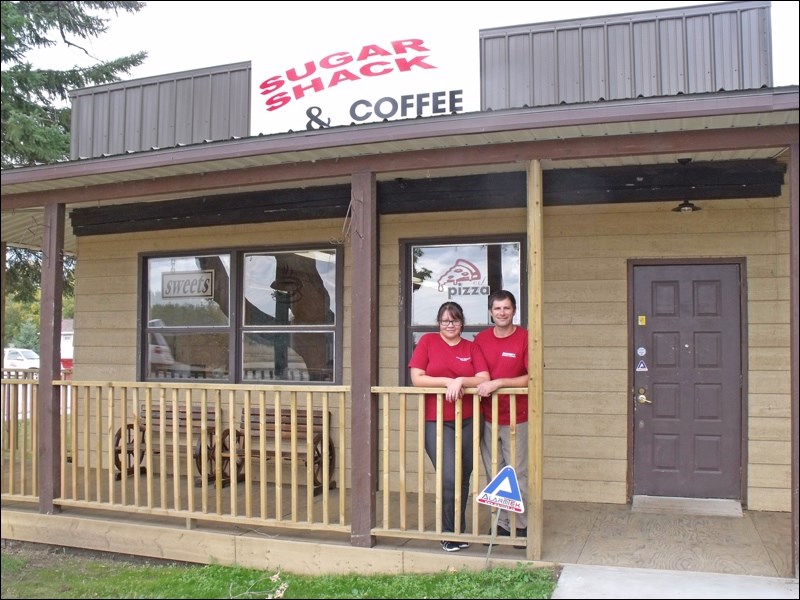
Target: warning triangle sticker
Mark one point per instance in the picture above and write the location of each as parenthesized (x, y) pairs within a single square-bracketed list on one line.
[(503, 492)]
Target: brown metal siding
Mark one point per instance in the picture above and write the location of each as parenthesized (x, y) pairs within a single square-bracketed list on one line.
[(671, 58), (494, 59), (161, 112), (645, 63), (544, 92), (520, 87), (656, 53), (568, 48), (595, 67), (620, 62)]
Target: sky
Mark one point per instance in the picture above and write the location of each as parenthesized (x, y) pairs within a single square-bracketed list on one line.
[(282, 39)]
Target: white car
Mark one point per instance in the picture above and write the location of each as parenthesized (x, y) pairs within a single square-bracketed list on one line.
[(20, 358), (160, 352)]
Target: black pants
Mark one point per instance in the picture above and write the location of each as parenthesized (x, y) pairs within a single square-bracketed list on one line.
[(449, 468)]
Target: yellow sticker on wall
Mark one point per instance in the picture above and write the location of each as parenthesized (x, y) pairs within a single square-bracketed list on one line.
[(642, 320)]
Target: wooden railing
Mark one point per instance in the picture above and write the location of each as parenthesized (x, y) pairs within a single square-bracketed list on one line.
[(125, 448), (411, 489), (182, 450), (19, 434)]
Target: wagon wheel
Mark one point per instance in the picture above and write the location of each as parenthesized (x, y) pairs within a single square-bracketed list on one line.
[(128, 457), (236, 453), (318, 462), (210, 457)]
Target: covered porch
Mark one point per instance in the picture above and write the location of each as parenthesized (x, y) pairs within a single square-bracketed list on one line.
[(214, 505)]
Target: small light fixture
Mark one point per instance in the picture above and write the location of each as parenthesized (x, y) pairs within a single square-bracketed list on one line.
[(686, 207)]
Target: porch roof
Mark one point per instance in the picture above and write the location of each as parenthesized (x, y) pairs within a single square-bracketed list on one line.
[(654, 130)]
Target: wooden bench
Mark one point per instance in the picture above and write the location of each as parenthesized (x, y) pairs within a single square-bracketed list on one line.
[(130, 442), (282, 426)]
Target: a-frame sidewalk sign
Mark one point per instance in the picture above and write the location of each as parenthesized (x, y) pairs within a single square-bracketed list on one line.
[(503, 492)]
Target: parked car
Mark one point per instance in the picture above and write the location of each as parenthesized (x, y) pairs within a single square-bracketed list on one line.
[(67, 350), (160, 353), (20, 358)]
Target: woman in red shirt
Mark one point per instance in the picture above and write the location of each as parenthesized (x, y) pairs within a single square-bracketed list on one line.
[(445, 360)]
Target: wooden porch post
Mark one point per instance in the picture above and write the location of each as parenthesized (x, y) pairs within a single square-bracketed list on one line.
[(794, 295), (49, 450), (363, 358), (535, 269), (3, 248)]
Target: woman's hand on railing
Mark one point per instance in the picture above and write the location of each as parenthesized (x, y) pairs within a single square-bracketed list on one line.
[(455, 390)]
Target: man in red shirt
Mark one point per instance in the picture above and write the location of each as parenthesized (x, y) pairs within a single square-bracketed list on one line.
[(504, 349)]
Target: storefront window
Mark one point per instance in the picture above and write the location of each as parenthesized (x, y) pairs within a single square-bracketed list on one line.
[(289, 316), (465, 273), (280, 327), (189, 291)]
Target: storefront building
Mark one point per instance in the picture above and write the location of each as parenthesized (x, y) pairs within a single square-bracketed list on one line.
[(648, 230)]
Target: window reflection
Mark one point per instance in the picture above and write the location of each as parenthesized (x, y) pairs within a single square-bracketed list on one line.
[(188, 355), (289, 296), (189, 291), (290, 288), (463, 273), (288, 357), (466, 273), (285, 325)]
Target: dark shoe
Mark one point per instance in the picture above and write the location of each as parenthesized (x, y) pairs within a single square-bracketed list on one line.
[(501, 532), (450, 546), (463, 545)]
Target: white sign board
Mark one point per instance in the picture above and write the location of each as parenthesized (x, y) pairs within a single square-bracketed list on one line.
[(503, 492), (397, 74)]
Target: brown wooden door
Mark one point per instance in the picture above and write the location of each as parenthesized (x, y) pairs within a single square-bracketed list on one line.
[(687, 399)]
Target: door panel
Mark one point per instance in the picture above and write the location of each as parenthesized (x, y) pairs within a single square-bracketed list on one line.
[(687, 380)]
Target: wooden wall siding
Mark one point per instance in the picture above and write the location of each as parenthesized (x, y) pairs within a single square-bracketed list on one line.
[(605, 237), (585, 327), (106, 284), (585, 319)]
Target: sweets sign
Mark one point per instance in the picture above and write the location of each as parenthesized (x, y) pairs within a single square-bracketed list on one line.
[(336, 88)]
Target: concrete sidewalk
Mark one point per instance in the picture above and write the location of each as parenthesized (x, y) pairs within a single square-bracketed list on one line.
[(589, 581)]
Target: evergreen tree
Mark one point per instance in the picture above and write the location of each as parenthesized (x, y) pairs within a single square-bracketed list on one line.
[(24, 274), (29, 336), (35, 109), (35, 114)]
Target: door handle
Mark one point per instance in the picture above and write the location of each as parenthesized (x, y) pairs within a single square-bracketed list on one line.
[(641, 396)]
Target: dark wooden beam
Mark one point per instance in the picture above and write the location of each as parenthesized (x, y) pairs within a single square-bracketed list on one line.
[(612, 185), (231, 209)]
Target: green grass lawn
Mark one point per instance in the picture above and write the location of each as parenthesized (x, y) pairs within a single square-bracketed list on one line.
[(33, 571)]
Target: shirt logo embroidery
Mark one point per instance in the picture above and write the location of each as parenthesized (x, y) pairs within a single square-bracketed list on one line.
[(509, 354), (464, 358)]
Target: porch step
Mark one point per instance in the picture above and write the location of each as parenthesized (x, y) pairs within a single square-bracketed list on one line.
[(707, 507)]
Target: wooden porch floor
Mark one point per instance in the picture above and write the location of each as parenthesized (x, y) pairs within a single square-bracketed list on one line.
[(758, 543)]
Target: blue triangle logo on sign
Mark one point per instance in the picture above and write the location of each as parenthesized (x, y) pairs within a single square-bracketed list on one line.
[(503, 491)]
